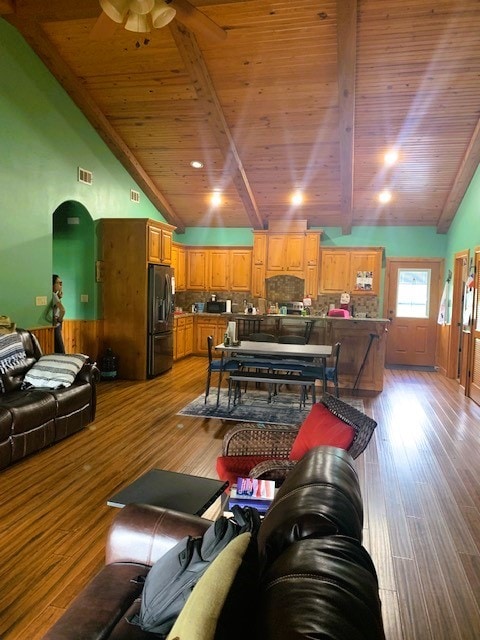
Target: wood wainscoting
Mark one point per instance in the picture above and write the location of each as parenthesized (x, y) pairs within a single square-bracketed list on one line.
[(443, 342), (79, 336)]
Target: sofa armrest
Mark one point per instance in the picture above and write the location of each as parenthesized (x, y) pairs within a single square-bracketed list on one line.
[(142, 533), (88, 373)]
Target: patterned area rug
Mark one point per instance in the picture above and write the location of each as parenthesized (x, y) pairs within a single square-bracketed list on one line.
[(284, 408)]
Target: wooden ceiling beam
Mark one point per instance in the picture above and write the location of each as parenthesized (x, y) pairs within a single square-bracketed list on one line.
[(346, 61), (6, 7), (465, 173), (197, 21), (36, 38), (200, 76)]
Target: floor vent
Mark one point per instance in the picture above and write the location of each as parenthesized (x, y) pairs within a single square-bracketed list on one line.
[(84, 176), (134, 196)]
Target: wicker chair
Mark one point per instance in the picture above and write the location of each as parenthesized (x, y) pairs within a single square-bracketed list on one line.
[(270, 445)]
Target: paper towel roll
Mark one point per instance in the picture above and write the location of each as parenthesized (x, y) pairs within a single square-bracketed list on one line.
[(232, 331)]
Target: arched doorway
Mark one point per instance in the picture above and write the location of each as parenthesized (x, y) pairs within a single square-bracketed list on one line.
[(74, 252)]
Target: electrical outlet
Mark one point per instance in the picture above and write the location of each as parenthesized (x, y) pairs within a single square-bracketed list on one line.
[(41, 301), (84, 297)]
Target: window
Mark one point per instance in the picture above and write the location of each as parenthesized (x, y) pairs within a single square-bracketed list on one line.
[(413, 293)]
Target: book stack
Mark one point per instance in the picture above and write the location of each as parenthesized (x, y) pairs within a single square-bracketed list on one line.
[(250, 492)]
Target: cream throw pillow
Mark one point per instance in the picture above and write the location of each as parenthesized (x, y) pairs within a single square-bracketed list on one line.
[(198, 618)]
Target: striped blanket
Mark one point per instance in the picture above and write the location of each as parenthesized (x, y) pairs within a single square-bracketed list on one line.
[(12, 354)]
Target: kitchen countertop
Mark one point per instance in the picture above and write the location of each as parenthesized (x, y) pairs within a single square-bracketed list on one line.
[(278, 316)]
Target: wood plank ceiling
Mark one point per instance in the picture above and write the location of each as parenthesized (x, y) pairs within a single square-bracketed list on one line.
[(300, 94)]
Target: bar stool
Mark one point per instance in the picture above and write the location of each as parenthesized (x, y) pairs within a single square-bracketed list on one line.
[(246, 326)]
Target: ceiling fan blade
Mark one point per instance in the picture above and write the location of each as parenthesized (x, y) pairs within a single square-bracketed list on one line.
[(197, 21), (103, 29)]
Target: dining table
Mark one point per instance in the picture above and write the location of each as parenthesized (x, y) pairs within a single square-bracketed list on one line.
[(285, 353)]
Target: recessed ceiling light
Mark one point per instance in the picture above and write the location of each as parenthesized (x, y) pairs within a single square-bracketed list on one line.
[(385, 196), (196, 164), (216, 199), (297, 198), (390, 157)]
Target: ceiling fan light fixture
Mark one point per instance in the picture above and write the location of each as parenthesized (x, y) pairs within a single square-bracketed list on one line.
[(162, 14), (142, 7), (116, 10), (138, 23)]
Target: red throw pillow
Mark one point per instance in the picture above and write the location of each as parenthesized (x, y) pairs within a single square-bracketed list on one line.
[(321, 427), (232, 467)]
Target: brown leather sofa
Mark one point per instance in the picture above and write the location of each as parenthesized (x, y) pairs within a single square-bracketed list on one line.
[(31, 419), (314, 577)]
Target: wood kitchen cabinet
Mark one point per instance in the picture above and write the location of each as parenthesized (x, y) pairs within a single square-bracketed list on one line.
[(286, 254), (240, 269), (159, 244), (197, 269), (208, 326), (180, 266), (259, 264), (127, 246), (339, 269), (183, 336), (312, 259), (218, 269), (369, 261)]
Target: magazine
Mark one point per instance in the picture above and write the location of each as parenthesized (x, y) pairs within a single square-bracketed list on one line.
[(255, 489)]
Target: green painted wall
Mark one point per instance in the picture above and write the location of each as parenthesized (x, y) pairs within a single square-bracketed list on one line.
[(44, 139), (464, 232)]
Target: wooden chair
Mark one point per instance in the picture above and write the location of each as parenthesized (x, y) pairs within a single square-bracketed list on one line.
[(246, 326), (263, 451), (229, 364)]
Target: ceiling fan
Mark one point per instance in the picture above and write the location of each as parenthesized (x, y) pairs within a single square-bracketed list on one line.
[(141, 16)]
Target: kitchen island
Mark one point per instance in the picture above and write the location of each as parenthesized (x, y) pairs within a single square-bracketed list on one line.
[(356, 335)]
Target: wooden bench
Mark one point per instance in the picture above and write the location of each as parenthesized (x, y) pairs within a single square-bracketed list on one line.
[(237, 377)]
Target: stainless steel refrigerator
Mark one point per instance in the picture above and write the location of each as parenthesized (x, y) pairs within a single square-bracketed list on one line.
[(161, 307)]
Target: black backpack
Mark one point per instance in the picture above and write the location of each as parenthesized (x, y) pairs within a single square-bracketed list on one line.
[(172, 578)]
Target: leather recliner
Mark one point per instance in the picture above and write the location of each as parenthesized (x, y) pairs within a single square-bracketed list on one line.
[(31, 419)]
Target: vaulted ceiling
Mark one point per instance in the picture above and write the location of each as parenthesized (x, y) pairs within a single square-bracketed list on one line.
[(274, 96)]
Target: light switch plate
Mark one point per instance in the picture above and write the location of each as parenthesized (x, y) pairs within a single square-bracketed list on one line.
[(41, 301), (84, 297)]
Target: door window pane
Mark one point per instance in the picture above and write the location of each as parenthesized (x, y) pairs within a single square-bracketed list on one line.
[(413, 293)]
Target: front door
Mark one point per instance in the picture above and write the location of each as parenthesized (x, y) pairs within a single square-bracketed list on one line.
[(412, 299)]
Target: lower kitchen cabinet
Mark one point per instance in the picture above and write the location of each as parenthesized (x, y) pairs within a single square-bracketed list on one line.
[(208, 326), (182, 337)]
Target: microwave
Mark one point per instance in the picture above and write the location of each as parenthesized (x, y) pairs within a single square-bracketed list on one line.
[(219, 306)]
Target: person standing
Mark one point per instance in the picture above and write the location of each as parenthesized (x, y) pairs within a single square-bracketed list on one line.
[(58, 313)]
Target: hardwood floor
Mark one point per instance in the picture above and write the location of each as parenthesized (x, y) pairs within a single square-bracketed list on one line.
[(420, 481)]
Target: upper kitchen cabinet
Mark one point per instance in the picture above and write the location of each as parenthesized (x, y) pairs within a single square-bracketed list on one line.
[(286, 254), (259, 263), (218, 269), (354, 270), (240, 269), (197, 269), (179, 264), (159, 242), (312, 259)]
